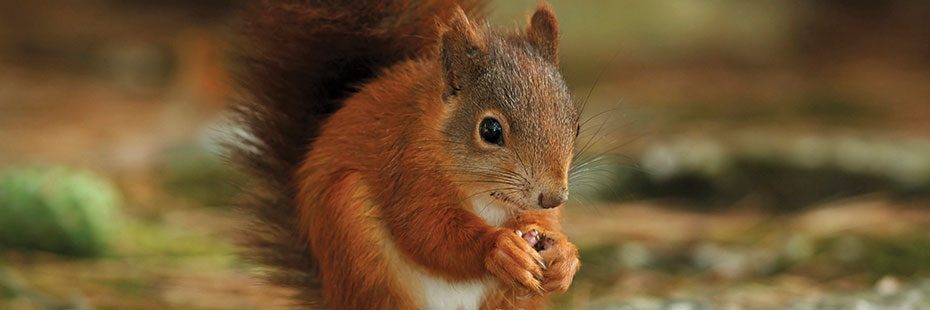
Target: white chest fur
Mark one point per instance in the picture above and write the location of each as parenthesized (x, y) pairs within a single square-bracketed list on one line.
[(486, 208), (441, 294)]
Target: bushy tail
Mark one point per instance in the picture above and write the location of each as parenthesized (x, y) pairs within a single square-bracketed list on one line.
[(298, 61)]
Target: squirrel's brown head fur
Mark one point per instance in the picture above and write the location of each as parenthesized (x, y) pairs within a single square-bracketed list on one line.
[(510, 122)]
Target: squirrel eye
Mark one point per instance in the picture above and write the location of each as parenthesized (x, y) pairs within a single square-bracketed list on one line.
[(491, 131)]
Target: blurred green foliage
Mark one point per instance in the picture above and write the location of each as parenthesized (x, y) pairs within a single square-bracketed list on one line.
[(57, 210), (148, 238), (6, 288), (903, 255), (193, 173)]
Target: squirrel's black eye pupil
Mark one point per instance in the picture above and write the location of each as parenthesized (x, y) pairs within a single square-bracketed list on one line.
[(491, 131)]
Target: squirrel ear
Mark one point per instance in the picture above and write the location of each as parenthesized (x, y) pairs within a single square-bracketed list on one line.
[(460, 49), (543, 33)]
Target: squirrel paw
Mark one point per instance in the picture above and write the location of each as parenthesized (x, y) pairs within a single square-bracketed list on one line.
[(513, 261), (559, 255), (562, 263)]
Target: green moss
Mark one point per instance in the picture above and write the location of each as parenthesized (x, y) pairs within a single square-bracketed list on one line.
[(153, 239), (57, 210), (906, 255), (7, 289)]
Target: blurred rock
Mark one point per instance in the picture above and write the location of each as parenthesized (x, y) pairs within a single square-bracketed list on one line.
[(887, 286)]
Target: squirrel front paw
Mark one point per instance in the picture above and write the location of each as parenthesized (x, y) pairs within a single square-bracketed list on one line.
[(512, 260), (562, 262), (559, 255)]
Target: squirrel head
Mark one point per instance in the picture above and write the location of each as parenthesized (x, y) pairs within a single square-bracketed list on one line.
[(510, 123)]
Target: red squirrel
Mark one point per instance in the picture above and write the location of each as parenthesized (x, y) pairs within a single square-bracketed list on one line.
[(404, 155)]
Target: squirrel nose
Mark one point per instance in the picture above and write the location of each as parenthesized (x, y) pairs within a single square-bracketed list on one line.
[(549, 200)]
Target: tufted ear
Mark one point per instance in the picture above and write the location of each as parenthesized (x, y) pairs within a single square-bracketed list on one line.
[(461, 51), (543, 33)]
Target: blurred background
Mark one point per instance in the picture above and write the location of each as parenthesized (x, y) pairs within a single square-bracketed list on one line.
[(743, 154)]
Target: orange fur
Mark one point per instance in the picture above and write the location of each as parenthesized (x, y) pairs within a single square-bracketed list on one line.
[(420, 210), (386, 195)]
